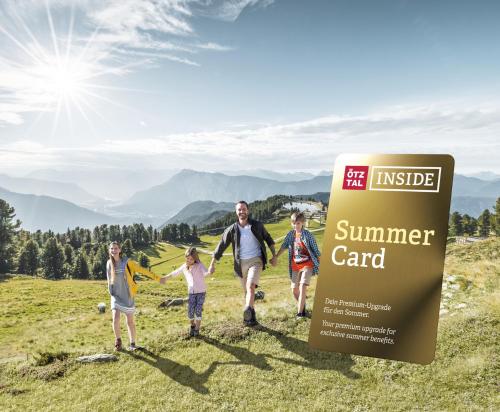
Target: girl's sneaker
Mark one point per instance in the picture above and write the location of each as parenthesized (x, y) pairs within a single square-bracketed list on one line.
[(196, 332), (118, 344), (133, 347), (192, 330)]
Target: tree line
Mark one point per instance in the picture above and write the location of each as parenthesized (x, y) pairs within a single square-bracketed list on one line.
[(486, 224), (79, 253), (83, 253)]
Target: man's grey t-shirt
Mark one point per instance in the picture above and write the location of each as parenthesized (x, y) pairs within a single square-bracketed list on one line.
[(249, 245)]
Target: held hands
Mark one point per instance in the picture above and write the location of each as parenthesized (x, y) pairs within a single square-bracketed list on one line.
[(274, 260)]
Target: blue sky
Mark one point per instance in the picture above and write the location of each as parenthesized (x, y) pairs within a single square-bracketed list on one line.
[(215, 85)]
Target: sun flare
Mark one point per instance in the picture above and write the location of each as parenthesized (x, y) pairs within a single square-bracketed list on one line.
[(56, 80)]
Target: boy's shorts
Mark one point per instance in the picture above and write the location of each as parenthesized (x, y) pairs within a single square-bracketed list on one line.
[(302, 277), (251, 270)]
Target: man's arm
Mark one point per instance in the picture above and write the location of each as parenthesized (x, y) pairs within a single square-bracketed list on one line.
[(225, 241), (268, 239)]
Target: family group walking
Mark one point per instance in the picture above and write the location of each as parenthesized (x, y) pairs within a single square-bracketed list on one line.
[(248, 238)]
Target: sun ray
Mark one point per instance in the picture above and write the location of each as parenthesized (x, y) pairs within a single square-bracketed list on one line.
[(52, 31), (125, 89), (68, 115), (58, 73), (70, 33), (20, 45), (33, 38), (88, 44), (120, 105), (84, 101), (55, 123), (117, 68), (84, 115)]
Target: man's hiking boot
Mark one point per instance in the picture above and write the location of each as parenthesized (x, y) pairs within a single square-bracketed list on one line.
[(247, 314), (250, 315)]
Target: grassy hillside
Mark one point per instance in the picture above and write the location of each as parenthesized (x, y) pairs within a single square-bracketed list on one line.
[(45, 325)]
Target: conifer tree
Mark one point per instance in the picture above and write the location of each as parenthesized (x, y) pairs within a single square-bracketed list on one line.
[(80, 269), (456, 228), (28, 258), (52, 260), (99, 264), (8, 231), (127, 248), (484, 222)]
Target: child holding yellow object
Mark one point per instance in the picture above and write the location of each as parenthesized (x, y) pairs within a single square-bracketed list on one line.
[(123, 288)]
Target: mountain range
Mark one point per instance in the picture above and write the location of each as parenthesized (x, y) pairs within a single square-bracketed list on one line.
[(115, 185), (61, 190), (187, 186), (45, 212), (190, 196)]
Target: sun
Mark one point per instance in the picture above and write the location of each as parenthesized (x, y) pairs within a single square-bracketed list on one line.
[(56, 79), (68, 75)]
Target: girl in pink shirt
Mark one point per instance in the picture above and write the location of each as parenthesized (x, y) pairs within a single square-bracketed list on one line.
[(194, 271)]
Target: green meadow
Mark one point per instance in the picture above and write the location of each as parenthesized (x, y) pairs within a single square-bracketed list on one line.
[(45, 325)]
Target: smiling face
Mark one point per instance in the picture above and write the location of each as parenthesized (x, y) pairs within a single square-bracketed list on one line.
[(190, 261), (114, 250), (242, 212)]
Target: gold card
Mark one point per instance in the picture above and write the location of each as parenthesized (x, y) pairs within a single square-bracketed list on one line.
[(381, 269)]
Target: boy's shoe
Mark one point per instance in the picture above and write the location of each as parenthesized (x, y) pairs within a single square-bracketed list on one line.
[(118, 345), (132, 347), (248, 314)]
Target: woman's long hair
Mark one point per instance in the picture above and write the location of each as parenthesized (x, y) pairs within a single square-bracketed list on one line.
[(112, 260)]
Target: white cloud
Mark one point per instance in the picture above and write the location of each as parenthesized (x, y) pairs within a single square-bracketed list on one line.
[(229, 10), (471, 135), (213, 46), (87, 40)]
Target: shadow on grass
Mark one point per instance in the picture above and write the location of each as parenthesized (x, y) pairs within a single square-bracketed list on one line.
[(182, 374), (244, 356), (312, 359), (151, 251)]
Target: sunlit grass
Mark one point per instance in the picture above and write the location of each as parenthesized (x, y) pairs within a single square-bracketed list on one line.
[(214, 372)]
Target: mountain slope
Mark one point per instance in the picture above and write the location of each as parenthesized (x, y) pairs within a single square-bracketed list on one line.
[(188, 186), (199, 211), (99, 181), (44, 213), (61, 190), (472, 186)]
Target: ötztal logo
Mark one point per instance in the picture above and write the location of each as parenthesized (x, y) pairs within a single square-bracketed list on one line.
[(355, 178)]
